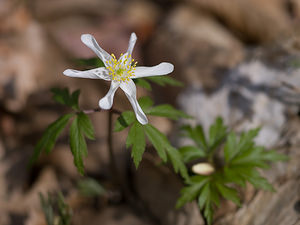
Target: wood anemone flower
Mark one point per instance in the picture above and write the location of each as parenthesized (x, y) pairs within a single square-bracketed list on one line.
[(120, 72)]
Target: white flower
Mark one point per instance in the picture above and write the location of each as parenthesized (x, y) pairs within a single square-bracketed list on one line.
[(120, 72)]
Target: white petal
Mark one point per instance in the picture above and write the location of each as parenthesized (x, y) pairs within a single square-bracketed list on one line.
[(130, 91), (160, 69), (107, 101), (131, 43), (90, 41), (98, 73)]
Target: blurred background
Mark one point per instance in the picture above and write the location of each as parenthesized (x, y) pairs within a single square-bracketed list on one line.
[(237, 58)]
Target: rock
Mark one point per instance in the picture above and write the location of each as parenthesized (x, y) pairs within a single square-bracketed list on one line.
[(142, 16), (159, 189), (111, 215), (251, 96), (198, 46), (47, 10), (28, 60), (252, 20)]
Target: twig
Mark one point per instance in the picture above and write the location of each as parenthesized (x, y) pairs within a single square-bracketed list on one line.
[(90, 111), (291, 86)]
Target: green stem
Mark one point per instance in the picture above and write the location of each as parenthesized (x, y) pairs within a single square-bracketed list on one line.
[(113, 165)]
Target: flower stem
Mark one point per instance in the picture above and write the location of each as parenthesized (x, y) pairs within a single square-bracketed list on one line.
[(113, 166)]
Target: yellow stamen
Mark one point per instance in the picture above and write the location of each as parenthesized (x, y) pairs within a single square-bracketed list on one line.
[(121, 70)]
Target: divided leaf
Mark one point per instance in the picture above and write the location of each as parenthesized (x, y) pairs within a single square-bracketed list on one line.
[(177, 162), (50, 136), (145, 102), (197, 135), (243, 157), (86, 125), (189, 153), (136, 139), (164, 149), (80, 127), (158, 140), (124, 121), (217, 133), (63, 97), (168, 111), (191, 192)]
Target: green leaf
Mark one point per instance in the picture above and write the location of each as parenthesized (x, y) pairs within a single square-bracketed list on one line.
[(233, 176), (90, 188), (165, 80), (189, 153), (86, 125), (78, 144), (272, 155), (205, 202), (90, 63), (50, 136), (217, 133), (189, 193), (143, 83), (124, 120), (64, 210), (158, 140), (228, 193), (230, 149), (47, 208), (166, 111), (136, 139), (197, 135), (74, 99), (63, 97), (177, 162), (145, 102)]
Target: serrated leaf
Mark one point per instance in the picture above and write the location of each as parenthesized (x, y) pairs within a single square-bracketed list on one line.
[(232, 176), (165, 80), (177, 162), (230, 149), (50, 136), (217, 133), (189, 153), (168, 111), (272, 155), (143, 83), (205, 203), (253, 176), (86, 125), (78, 145), (63, 96), (90, 187), (158, 140), (124, 120), (228, 193), (197, 135), (191, 192), (145, 102), (136, 139)]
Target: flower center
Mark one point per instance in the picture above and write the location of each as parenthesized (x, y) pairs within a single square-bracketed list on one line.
[(121, 70)]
